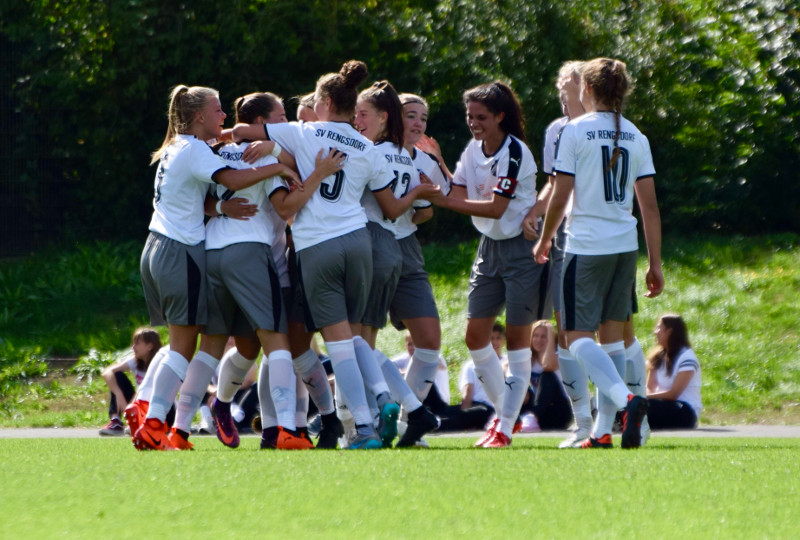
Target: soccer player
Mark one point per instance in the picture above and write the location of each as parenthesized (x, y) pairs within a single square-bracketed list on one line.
[(602, 158), (173, 263), (495, 183)]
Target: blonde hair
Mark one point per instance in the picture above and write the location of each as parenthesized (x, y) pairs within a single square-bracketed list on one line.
[(570, 68), (184, 102)]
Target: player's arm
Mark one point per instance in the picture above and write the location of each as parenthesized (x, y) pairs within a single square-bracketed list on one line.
[(259, 149), (458, 202), (393, 207), (531, 220), (467, 394), (237, 179), (288, 203), (651, 223), (564, 184), (431, 146), (236, 208), (652, 382), (421, 215)]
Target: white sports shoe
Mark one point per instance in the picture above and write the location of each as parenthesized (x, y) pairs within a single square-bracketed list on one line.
[(582, 433)]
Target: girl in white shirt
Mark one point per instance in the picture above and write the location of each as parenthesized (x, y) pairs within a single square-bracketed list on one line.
[(673, 377)]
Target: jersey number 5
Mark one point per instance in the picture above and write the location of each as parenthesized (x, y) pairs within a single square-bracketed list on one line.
[(615, 179)]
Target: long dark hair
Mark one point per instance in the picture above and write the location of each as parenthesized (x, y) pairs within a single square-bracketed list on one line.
[(384, 98), (148, 335), (499, 97), (677, 341), (251, 106)]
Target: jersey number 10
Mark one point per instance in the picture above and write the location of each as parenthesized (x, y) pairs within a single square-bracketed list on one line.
[(615, 179)]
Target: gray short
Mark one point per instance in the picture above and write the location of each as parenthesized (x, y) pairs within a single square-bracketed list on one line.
[(293, 295), (174, 281), (387, 262), (597, 288), (335, 277), (413, 297), (244, 291), (556, 264), (504, 273)]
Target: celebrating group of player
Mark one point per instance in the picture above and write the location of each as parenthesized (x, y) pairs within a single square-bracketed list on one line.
[(354, 185)]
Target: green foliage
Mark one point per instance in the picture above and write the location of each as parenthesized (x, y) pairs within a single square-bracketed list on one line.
[(19, 367), (717, 92)]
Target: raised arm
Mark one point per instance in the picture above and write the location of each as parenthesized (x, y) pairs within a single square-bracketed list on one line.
[(236, 179)]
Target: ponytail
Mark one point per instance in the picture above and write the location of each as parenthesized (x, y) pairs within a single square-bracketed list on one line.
[(499, 97), (184, 102), (341, 87), (610, 84)]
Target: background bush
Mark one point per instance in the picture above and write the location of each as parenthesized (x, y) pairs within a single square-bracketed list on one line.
[(86, 83)]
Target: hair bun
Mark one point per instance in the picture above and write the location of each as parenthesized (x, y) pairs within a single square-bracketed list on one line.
[(354, 72)]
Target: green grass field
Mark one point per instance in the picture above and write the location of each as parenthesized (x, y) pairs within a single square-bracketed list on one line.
[(672, 488)]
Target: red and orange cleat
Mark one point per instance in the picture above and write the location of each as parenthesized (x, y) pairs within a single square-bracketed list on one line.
[(488, 435), (178, 442), (292, 440), (135, 413), (152, 435), (602, 442), (498, 440)]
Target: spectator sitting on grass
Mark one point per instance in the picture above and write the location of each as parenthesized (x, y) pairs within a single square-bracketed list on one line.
[(145, 344)]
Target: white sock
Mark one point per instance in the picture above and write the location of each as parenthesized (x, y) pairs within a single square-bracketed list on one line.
[(145, 392), (422, 371), (576, 384), (198, 375), (268, 416), (600, 369), (311, 372), (168, 379), (490, 373), (635, 369), (232, 371), (349, 382), (516, 386), (397, 384), (373, 377), (301, 407), (282, 386)]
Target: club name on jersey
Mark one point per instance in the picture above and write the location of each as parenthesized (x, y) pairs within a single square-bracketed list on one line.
[(396, 158), (341, 139), (608, 134), (231, 156)]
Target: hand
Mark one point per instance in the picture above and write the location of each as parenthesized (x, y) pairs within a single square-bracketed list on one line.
[(257, 150), (292, 178), (431, 146), (541, 251), (330, 164), (427, 191), (529, 226), (424, 179), (239, 208), (654, 280)]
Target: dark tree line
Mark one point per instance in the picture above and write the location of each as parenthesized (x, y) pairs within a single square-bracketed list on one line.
[(85, 84)]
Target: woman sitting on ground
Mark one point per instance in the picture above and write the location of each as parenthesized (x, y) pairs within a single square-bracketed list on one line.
[(673, 377)]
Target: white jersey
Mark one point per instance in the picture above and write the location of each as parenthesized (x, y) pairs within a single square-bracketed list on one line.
[(468, 376), (509, 172), (184, 172), (551, 134), (686, 361), (406, 178), (335, 208), (430, 166), (601, 221), (222, 231)]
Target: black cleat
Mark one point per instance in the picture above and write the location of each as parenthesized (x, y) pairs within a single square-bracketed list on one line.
[(632, 422), (420, 422)]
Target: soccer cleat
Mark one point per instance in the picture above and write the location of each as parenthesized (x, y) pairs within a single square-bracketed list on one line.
[(387, 423), (223, 421), (292, 440), (488, 435), (517, 426), (366, 442), (583, 432), (315, 426), (632, 421), (152, 435), (645, 431), (178, 442), (420, 422), (332, 429), (135, 413), (113, 429), (498, 440), (269, 438), (602, 442)]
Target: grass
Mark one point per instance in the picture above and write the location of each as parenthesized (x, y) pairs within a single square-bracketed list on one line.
[(697, 488), (738, 296)]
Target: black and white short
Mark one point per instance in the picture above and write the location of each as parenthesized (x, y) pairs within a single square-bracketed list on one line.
[(505, 273), (336, 275), (413, 297), (597, 288), (387, 262), (244, 290), (174, 281)]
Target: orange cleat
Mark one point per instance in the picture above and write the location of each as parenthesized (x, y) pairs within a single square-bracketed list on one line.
[(292, 440), (152, 435), (602, 442), (177, 441), (498, 440), (135, 413)]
